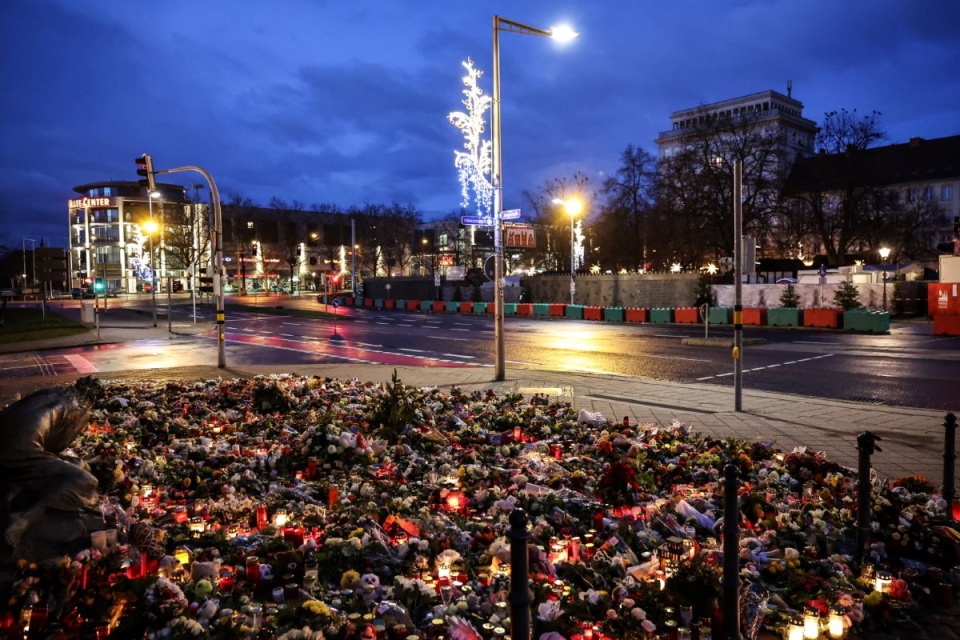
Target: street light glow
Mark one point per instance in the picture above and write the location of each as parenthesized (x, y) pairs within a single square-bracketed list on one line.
[(884, 253), (563, 33), (150, 226)]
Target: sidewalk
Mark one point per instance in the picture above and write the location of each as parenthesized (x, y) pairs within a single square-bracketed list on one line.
[(912, 438)]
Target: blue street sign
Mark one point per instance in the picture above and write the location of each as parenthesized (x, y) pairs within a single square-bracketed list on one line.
[(336, 303), (823, 271), (510, 214), (478, 220)]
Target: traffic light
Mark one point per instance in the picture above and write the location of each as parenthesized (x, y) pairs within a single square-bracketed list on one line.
[(253, 252), (299, 250), (313, 261), (98, 285), (145, 164), (206, 284)]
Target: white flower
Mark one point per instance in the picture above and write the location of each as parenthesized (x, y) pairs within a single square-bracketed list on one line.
[(648, 626), (638, 613), (549, 610)]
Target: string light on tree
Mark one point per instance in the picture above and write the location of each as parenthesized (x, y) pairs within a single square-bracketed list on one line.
[(475, 162)]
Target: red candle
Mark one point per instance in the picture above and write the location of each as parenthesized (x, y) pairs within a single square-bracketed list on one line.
[(311, 468), (253, 569), (261, 516)]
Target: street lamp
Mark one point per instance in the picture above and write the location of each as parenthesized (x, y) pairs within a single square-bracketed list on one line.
[(24, 251), (150, 227), (884, 254), (561, 34), (573, 206)]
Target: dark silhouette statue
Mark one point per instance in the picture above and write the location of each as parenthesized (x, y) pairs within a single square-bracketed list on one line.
[(44, 494)]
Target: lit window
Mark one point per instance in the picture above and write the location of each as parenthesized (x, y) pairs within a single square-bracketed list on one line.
[(946, 192), (927, 194)]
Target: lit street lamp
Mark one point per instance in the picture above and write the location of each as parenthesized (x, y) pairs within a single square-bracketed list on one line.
[(573, 206), (884, 254), (562, 34), (150, 227), (24, 251)]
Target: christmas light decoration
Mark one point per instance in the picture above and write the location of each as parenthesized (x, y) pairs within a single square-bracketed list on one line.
[(475, 162)]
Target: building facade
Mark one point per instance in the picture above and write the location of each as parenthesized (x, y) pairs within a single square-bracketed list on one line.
[(109, 237), (780, 114)]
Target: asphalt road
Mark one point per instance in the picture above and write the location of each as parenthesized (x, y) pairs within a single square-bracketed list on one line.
[(908, 367)]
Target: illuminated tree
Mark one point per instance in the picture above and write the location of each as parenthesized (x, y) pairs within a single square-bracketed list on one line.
[(475, 161)]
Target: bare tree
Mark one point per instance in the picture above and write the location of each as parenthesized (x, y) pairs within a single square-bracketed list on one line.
[(836, 193), (552, 221), (695, 189), (623, 223)]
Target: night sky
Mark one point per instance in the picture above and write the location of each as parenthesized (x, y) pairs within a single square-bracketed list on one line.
[(347, 102)]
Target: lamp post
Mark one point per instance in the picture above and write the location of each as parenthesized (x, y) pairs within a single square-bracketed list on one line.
[(150, 226), (573, 206), (562, 34), (884, 254), (24, 251)]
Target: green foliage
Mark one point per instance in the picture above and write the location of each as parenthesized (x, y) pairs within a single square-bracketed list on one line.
[(394, 410), (705, 293), (789, 297), (847, 297)]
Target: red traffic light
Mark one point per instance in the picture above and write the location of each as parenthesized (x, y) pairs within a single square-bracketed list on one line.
[(145, 169)]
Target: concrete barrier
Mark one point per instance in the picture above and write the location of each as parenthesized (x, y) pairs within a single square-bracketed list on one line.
[(452, 307), (541, 309), (785, 317), (574, 311), (637, 315), (613, 314), (720, 315), (827, 318), (756, 316), (524, 308), (558, 310), (686, 315), (868, 321), (480, 307), (509, 308), (661, 315), (466, 307)]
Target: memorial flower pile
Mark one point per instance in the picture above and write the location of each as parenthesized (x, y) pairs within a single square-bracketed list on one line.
[(291, 507)]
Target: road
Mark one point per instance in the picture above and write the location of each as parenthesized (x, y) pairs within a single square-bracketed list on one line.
[(909, 367)]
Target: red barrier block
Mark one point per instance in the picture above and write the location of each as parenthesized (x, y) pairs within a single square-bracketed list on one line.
[(943, 299), (558, 310), (686, 315), (389, 303), (755, 316), (524, 308), (439, 306), (946, 325), (413, 305), (368, 302), (593, 313), (466, 307), (637, 315), (827, 318)]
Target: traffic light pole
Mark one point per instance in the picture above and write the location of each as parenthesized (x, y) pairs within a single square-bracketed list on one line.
[(217, 255)]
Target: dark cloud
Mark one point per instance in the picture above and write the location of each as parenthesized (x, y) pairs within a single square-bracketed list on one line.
[(346, 103)]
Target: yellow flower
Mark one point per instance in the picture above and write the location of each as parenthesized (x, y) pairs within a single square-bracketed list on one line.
[(317, 608), (873, 598)]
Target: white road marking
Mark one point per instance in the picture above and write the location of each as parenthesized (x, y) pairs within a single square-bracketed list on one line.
[(81, 364), (769, 366)]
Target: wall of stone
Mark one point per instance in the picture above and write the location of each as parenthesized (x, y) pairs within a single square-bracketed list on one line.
[(615, 290)]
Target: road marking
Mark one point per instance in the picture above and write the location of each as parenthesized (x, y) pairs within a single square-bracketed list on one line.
[(287, 335), (412, 350), (384, 323), (81, 364), (457, 355), (647, 355), (459, 329), (769, 366)]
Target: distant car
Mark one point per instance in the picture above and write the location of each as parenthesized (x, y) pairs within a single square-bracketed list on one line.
[(78, 293), (787, 281)]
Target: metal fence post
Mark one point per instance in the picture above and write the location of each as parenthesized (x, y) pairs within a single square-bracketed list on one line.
[(519, 597), (949, 460), (731, 553), (866, 444)]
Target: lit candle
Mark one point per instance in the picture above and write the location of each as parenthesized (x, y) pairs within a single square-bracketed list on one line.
[(883, 582), (836, 625), (280, 518), (182, 554), (261, 516), (795, 628), (811, 623)]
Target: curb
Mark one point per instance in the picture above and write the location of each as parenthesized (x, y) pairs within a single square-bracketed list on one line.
[(720, 342)]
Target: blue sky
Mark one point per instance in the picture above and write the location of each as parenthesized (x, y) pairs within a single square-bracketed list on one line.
[(346, 102)]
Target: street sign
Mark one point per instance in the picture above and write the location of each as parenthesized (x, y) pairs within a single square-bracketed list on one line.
[(510, 214), (483, 221), (335, 303), (823, 271)]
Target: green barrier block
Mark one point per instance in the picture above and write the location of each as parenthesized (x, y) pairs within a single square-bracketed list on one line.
[(661, 315), (613, 314), (721, 315), (869, 321), (480, 307), (378, 303), (574, 311), (453, 307), (784, 317), (509, 308), (401, 305), (426, 305), (541, 309)]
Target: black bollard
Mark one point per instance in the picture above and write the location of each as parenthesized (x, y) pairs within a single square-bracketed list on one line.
[(519, 597), (866, 444), (949, 460), (731, 553)]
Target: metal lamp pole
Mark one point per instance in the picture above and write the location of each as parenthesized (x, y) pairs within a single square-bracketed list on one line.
[(499, 24), (884, 254), (150, 227)]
